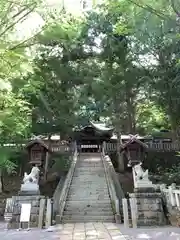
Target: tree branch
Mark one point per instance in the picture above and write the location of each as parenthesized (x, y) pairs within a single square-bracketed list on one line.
[(150, 9), (18, 20), (5, 17), (174, 8), (21, 44)]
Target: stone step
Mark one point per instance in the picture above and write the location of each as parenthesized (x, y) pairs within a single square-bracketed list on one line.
[(87, 213), (86, 173), (88, 209), (88, 218), (89, 178), (94, 185), (89, 192), (98, 175), (74, 187), (87, 221), (89, 169), (88, 183), (89, 203), (88, 188), (93, 198), (91, 165), (95, 180), (97, 163), (89, 174), (92, 181)]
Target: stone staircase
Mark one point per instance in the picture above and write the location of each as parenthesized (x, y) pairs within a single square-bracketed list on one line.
[(88, 198)]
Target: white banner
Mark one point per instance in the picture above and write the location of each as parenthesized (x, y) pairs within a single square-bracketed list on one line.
[(89, 146), (25, 212)]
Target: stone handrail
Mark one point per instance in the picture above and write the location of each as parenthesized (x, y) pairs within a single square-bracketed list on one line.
[(113, 174), (112, 192), (112, 185), (67, 183), (57, 194)]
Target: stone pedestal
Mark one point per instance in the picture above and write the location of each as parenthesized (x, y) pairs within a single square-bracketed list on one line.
[(149, 207), (143, 184), (29, 189), (16, 210)]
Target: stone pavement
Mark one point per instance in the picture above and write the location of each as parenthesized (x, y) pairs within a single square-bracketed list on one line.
[(92, 231), (78, 231)]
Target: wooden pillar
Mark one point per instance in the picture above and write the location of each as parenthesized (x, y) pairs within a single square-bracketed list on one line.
[(47, 158), (46, 166)]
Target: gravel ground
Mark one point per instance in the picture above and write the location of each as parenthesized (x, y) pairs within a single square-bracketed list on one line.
[(163, 233)]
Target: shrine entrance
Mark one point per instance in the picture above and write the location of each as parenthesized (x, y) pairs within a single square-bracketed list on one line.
[(91, 137)]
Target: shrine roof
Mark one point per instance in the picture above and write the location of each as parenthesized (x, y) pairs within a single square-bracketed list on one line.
[(132, 140), (99, 127), (35, 141), (127, 137), (54, 137)]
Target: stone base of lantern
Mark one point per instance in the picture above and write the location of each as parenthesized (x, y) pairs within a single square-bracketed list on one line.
[(29, 189), (143, 184), (149, 207), (15, 211)]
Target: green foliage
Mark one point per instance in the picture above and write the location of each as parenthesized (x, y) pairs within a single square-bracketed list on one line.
[(170, 175), (118, 63), (61, 163), (5, 163), (98, 67), (13, 125), (151, 118)]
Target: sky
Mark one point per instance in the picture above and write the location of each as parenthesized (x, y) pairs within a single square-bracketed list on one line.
[(34, 22)]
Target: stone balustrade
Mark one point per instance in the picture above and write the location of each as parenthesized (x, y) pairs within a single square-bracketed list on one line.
[(171, 197), (171, 194), (112, 147)]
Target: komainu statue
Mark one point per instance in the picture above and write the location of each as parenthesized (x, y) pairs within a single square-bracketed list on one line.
[(33, 177), (140, 173)]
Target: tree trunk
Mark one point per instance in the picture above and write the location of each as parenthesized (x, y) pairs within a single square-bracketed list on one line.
[(1, 182), (119, 155), (131, 124), (174, 124), (117, 123), (174, 129)]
